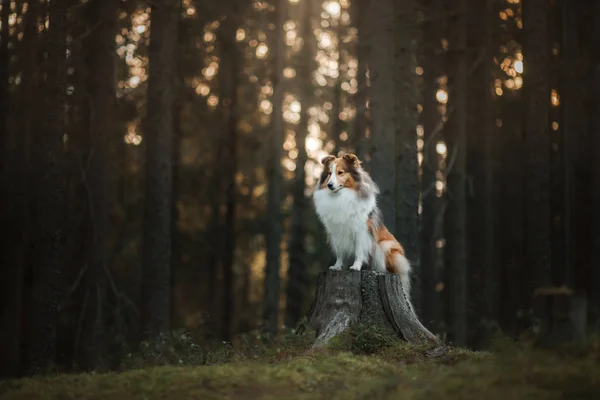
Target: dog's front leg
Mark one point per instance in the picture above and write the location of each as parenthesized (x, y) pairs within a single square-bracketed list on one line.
[(338, 264), (361, 252)]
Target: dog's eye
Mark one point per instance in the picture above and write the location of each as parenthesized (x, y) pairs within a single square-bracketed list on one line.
[(340, 172)]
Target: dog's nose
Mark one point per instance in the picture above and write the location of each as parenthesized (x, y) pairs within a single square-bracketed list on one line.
[(330, 185)]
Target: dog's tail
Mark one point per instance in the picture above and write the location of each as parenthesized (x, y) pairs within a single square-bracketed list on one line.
[(396, 262)]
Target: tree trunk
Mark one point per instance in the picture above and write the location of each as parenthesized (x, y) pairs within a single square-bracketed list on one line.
[(382, 106), (230, 70), (49, 211), (101, 87), (297, 273), (19, 245), (407, 97), (180, 88), (348, 299), (159, 132), (536, 55), (10, 270), (432, 125), (4, 103), (595, 135), (358, 8), (275, 181), (480, 163), (456, 229)]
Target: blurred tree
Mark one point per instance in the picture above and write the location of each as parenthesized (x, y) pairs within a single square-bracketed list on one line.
[(49, 208), (101, 89), (382, 106), (156, 254), (361, 120), (4, 76), (536, 55), (230, 73), (483, 277), (297, 287), (432, 63), (273, 233), (595, 134), (407, 99), (456, 221)]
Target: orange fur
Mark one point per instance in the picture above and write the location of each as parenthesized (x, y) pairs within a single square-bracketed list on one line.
[(393, 247), (344, 165)]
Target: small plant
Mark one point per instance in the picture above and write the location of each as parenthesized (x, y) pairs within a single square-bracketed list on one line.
[(171, 348)]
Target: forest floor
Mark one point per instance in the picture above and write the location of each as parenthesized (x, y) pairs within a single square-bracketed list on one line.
[(393, 371)]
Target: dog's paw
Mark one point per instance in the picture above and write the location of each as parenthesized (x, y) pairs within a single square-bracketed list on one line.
[(356, 267), (335, 267)]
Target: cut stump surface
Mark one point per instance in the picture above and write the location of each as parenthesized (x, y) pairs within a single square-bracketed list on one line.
[(346, 298)]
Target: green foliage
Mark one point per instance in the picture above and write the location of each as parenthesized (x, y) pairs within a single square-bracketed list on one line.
[(179, 348), (174, 348)]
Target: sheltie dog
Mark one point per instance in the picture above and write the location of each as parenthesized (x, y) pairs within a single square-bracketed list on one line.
[(346, 202)]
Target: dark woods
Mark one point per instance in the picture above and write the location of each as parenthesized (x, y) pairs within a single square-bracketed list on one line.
[(157, 160)]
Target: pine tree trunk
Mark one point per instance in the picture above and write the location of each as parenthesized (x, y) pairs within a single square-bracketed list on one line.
[(595, 134), (10, 270), (432, 125), (407, 97), (156, 258), (297, 273), (456, 229), (4, 103), (231, 74), (17, 252), (357, 8), (49, 211), (101, 88), (480, 164), (536, 88), (382, 105), (275, 181)]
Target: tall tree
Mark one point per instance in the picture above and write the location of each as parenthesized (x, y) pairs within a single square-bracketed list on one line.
[(230, 70), (382, 106), (483, 277), (595, 134), (101, 89), (4, 76), (536, 57), (275, 180), (10, 287), (357, 8), (456, 221), (432, 125), (49, 209), (297, 275), (407, 97), (18, 244), (156, 257)]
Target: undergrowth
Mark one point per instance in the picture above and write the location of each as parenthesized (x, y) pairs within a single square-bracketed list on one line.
[(360, 364)]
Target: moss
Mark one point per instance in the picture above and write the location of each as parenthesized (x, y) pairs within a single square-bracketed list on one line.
[(288, 368)]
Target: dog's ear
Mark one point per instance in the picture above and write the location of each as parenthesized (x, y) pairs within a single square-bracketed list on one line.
[(327, 160), (352, 160)]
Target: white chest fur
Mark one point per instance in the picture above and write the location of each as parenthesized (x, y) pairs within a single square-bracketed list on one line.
[(345, 216)]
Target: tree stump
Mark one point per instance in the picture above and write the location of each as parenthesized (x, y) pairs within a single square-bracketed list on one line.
[(347, 298), (560, 315)]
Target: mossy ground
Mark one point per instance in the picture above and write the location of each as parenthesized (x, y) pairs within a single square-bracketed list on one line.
[(291, 370)]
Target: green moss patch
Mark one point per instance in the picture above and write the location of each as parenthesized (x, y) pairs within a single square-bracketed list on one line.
[(291, 370)]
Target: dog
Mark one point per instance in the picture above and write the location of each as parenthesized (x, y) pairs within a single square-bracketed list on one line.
[(345, 200)]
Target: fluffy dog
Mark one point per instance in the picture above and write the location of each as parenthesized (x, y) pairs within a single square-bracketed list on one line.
[(346, 202)]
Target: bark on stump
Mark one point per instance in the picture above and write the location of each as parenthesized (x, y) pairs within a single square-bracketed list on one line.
[(347, 298)]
